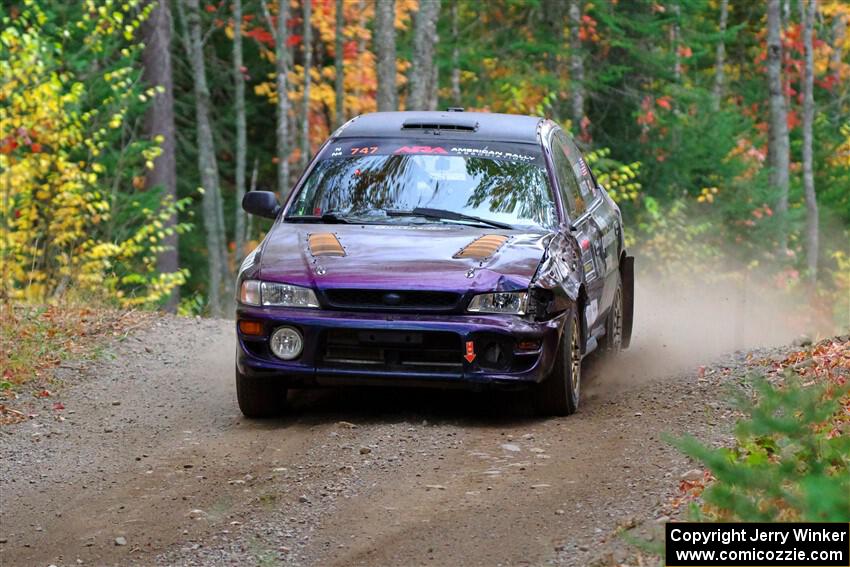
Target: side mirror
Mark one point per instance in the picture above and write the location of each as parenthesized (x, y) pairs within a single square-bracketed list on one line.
[(261, 203)]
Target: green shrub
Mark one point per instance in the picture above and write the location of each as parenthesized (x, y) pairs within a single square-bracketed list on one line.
[(790, 462)]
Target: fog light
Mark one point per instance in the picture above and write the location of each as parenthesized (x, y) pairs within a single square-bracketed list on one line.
[(286, 343)]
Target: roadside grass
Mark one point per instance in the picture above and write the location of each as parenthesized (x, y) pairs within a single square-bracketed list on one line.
[(35, 339)]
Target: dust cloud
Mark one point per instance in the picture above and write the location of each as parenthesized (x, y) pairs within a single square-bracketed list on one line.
[(681, 323)]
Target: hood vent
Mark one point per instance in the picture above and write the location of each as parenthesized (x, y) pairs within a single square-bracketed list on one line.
[(482, 247), (325, 244)]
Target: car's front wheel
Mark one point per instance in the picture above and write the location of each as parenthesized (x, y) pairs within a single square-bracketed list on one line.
[(260, 397), (558, 394)]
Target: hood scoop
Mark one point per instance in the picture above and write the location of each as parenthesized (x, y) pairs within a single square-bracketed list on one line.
[(482, 247), (325, 244)]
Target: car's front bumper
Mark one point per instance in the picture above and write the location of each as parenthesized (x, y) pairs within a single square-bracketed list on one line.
[(526, 349)]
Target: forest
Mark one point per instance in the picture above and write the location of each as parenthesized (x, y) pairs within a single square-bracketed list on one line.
[(130, 130)]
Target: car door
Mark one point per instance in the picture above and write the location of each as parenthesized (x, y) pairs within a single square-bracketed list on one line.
[(586, 230), (606, 217)]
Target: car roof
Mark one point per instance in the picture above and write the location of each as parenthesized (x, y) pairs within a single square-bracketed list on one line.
[(478, 126)]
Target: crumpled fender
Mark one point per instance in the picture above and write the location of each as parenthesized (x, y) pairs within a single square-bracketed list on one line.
[(559, 268)]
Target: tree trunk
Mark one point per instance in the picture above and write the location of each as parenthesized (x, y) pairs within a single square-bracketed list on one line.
[(455, 56), (434, 88), (778, 144), (385, 54), (576, 66), (241, 131), (808, 121), (308, 65), (159, 121), (720, 56), (207, 163), (424, 44), (839, 29), (339, 63), (282, 69)]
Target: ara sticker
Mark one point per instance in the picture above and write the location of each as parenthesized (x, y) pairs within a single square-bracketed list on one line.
[(421, 150)]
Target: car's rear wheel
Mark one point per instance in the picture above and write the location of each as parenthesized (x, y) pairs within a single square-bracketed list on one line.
[(559, 393), (612, 342), (260, 397)]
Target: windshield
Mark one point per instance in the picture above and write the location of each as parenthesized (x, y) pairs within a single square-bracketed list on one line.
[(376, 181)]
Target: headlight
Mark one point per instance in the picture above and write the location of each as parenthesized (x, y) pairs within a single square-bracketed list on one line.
[(255, 292), (514, 302), (286, 343)]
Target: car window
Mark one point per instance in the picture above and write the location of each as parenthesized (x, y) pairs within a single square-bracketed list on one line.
[(364, 180), (586, 182), (568, 184)]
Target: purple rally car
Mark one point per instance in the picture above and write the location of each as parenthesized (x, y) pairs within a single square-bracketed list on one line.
[(449, 249)]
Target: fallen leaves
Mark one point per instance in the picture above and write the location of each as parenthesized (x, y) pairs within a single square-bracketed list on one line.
[(35, 340)]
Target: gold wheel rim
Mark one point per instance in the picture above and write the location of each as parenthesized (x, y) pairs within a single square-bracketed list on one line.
[(575, 361), (618, 321)]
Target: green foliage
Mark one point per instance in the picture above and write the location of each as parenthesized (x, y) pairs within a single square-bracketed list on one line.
[(70, 157), (789, 464)]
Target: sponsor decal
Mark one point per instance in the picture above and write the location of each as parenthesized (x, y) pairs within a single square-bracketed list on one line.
[(488, 153), (421, 150)]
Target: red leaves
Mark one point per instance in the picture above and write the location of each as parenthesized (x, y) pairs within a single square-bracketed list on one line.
[(261, 35), (349, 50), (8, 145), (294, 39)]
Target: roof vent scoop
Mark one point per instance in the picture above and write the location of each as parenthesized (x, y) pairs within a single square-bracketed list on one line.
[(440, 123)]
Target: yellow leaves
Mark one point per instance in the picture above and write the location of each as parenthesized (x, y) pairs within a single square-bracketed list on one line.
[(707, 194), (266, 89), (55, 209)]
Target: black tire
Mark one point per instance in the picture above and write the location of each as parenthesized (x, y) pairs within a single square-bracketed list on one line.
[(559, 393), (260, 397), (612, 342)]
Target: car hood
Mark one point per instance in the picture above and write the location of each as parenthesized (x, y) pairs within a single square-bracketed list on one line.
[(427, 257)]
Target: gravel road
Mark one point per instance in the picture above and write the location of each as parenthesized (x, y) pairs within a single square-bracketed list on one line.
[(151, 463)]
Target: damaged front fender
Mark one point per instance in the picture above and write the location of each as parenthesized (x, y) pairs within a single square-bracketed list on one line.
[(558, 277)]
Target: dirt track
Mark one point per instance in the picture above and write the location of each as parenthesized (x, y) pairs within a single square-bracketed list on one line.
[(153, 450)]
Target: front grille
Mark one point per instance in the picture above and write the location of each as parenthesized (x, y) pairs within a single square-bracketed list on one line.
[(411, 351), (380, 299)]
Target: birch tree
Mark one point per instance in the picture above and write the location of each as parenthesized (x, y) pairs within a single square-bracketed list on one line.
[(455, 78), (720, 56), (281, 35), (159, 123), (778, 143), (385, 53), (207, 162), (424, 43), (241, 131), (812, 229), (308, 66), (576, 66), (282, 69)]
